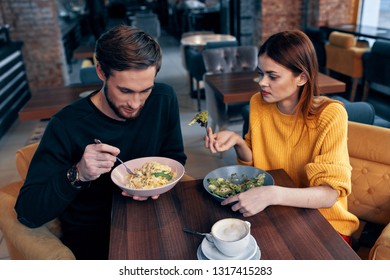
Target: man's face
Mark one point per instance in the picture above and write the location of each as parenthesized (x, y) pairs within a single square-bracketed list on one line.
[(126, 92)]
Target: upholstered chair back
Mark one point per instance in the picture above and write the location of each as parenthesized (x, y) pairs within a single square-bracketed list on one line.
[(195, 64), (369, 156), (343, 56), (230, 59), (226, 60), (149, 23)]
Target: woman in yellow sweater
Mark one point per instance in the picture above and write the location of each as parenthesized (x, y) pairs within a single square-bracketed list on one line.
[(292, 127)]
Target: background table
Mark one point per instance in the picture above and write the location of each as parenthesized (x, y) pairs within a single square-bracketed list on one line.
[(201, 39), (84, 51), (45, 103), (152, 229), (239, 87)]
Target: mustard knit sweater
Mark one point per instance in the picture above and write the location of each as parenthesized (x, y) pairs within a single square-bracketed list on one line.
[(311, 156)]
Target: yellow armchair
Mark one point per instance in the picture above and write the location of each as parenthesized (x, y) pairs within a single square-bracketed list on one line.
[(25, 243), (345, 57), (370, 198)]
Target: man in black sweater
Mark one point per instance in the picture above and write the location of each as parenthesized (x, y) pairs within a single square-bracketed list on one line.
[(69, 175)]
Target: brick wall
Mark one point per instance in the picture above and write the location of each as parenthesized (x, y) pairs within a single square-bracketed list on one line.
[(280, 15), (35, 24), (277, 15), (334, 12)]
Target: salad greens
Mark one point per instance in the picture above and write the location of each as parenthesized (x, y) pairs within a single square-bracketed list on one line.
[(201, 118), (234, 184), (163, 174)]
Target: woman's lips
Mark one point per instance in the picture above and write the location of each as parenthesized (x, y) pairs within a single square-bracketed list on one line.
[(265, 93)]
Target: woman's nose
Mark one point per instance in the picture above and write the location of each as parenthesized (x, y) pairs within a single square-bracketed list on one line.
[(262, 81)]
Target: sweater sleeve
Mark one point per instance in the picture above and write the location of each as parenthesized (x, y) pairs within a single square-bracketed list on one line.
[(46, 191), (331, 164)]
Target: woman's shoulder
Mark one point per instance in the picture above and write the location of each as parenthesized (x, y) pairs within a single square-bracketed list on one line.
[(257, 102), (335, 107), (333, 112)]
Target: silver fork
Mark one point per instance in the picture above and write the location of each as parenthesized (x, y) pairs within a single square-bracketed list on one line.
[(97, 141), (205, 126)]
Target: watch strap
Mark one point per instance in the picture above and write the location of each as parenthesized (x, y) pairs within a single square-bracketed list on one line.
[(73, 178)]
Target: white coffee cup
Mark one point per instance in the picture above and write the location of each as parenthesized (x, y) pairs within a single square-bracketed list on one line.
[(231, 236)]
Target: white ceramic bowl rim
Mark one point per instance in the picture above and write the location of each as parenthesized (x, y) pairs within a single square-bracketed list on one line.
[(118, 175)]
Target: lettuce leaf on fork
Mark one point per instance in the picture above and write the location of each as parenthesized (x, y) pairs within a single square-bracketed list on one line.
[(201, 118)]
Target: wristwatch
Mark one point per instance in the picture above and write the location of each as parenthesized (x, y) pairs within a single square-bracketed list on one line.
[(73, 178)]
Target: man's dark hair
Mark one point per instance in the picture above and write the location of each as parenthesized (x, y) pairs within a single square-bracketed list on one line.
[(125, 47)]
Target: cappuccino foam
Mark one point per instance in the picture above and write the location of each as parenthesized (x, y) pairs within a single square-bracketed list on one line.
[(231, 231)]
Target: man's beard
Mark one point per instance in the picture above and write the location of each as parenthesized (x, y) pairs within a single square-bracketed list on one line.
[(115, 109)]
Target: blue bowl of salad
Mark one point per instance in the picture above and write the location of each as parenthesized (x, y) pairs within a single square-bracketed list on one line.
[(230, 180)]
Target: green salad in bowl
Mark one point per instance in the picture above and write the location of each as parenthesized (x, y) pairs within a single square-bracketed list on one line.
[(234, 185), (230, 180)]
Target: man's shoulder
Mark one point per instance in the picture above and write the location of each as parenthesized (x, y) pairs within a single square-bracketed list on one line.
[(163, 88), (78, 109)]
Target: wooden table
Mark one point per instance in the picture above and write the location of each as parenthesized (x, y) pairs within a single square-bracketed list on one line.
[(45, 103), (152, 230), (84, 51), (239, 87)]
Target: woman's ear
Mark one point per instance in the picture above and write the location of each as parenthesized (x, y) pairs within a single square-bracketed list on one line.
[(302, 79)]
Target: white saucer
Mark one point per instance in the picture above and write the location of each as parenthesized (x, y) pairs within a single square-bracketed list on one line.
[(85, 93), (212, 253), (202, 257)]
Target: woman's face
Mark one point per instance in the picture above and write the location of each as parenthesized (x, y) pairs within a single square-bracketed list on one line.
[(278, 84)]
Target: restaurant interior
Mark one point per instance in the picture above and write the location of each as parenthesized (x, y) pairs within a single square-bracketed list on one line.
[(46, 60)]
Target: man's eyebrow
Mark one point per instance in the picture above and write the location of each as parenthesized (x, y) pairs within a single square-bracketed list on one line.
[(131, 90)]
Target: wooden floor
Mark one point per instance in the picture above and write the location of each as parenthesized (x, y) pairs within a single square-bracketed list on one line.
[(199, 161)]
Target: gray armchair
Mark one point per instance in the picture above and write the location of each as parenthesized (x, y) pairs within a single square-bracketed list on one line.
[(226, 60), (195, 63), (149, 23), (362, 112)]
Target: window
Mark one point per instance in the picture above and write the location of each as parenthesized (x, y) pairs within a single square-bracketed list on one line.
[(375, 13)]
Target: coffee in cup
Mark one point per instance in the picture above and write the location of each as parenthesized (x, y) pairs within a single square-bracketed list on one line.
[(231, 236)]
